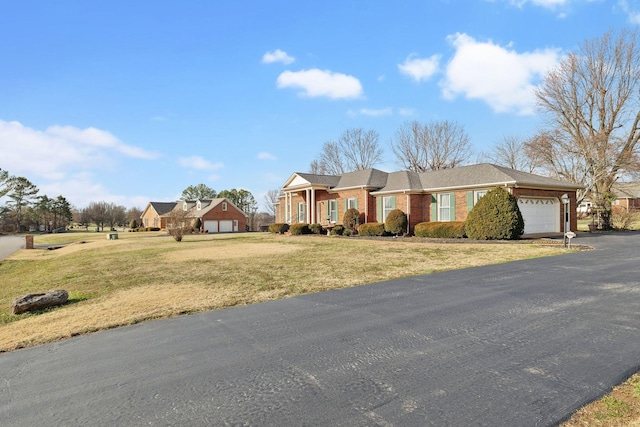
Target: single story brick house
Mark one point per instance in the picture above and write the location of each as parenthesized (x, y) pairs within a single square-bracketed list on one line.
[(627, 195), (218, 215), (443, 195), (152, 216)]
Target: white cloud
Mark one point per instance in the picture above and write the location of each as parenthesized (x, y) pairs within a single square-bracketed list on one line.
[(497, 75), (407, 112), (321, 83), (59, 151), (266, 156), (277, 56), (632, 9), (376, 112), (548, 4), (199, 163), (420, 69)]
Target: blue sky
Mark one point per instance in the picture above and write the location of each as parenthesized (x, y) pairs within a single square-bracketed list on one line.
[(133, 101)]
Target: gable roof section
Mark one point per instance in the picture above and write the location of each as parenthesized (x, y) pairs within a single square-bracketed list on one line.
[(208, 205), (487, 175), (626, 190), (302, 180), (401, 182), (161, 208), (367, 178)]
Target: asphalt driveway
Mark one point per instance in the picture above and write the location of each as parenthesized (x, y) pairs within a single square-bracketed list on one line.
[(10, 244), (517, 344)]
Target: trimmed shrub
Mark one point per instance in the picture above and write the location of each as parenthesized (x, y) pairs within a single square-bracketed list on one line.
[(371, 229), (279, 228), (443, 230), (351, 219), (496, 216), (133, 224), (337, 230), (316, 229), (347, 232), (396, 222), (299, 229), (197, 224)]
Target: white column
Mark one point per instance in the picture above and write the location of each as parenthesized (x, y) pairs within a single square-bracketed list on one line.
[(313, 207)]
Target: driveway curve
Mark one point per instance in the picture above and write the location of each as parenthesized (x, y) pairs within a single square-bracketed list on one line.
[(10, 244), (524, 343)]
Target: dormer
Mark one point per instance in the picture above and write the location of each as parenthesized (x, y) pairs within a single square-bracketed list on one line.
[(185, 207), (199, 205)]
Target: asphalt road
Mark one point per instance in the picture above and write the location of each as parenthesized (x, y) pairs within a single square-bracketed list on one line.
[(10, 244), (517, 344)]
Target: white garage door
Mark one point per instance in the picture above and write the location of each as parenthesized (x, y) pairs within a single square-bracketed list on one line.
[(211, 226), (226, 226), (540, 215)]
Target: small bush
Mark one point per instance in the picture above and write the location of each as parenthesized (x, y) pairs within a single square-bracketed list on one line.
[(278, 228), (337, 230), (197, 224), (299, 229), (347, 232), (351, 219), (443, 230), (496, 216), (621, 219), (316, 229), (133, 224), (396, 222), (371, 229)]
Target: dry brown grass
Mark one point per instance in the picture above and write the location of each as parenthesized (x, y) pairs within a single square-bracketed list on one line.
[(620, 408), (148, 276)]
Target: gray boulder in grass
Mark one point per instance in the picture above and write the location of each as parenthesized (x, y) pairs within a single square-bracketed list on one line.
[(33, 302)]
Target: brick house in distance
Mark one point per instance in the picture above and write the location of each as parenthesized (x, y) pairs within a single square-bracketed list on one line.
[(436, 196), (218, 215)]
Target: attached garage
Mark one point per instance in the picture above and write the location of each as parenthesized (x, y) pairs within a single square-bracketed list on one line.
[(541, 215), (226, 226), (211, 226)]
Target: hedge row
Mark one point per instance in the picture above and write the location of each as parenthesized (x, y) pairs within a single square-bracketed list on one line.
[(146, 229), (371, 229), (279, 228), (443, 230)]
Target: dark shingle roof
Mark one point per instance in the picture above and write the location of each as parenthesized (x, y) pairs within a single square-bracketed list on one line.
[(162, 207)]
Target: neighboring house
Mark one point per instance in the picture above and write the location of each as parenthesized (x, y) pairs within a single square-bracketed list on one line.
[(216, 215), (152, 216), (627, 195), (437, 196)]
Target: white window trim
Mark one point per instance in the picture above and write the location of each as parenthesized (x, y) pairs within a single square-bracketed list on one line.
[(385, 210), (224, 206), (333, 209), (352, 202), (477, 195), (441, 207)]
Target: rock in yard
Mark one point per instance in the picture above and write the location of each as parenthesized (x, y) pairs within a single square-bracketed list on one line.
[(33, 302)]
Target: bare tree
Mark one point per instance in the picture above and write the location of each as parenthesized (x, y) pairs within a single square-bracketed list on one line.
[(271, 199), (436, 145), (592, 99), (356, 149), (178, 223), (317, 168), (515, 153)]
